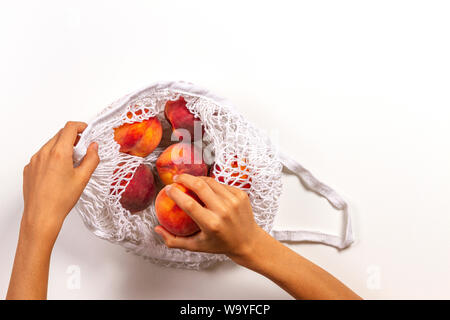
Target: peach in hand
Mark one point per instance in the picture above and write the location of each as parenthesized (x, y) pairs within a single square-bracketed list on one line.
[(139, 138), (180, 158), (140, 191), (171, 216), (180, 117)]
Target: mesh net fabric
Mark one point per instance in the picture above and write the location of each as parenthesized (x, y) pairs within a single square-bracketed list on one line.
[(242, 154)]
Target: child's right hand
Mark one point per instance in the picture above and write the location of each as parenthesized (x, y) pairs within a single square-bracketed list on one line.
[(226, 222)]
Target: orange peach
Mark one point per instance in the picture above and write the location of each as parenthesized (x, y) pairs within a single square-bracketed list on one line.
[(139, 138), (171, 216), (140, 191), (180, 158), (180, 117), (237, 175)]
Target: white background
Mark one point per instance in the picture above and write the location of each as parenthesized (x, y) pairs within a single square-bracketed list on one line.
[(357, 91)]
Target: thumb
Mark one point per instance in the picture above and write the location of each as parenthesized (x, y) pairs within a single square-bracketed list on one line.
[(169, 238), (173, 241), (89, 162)]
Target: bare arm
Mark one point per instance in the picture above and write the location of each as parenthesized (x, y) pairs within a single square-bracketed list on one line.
[(51, 187), (295, 274), (227, 226)]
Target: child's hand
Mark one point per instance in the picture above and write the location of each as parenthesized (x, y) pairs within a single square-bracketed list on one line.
[(226, 222), (51, 184)]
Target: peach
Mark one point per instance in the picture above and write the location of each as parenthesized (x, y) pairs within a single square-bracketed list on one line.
[(171, 216), (237, 174), (180, 158), (139, 138), (180, 117), (140, 191)]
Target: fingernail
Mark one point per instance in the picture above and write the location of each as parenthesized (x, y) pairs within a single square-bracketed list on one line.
[(168, 187), (175, 178), (95, 146)]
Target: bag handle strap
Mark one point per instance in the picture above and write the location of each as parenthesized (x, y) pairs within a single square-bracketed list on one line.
[(312, 184)]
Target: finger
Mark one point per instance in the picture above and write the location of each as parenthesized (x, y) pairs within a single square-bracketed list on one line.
[(222, 190), (69, 134), (232, 195), (201, 189), (237, 192), (234, 190), (50, 143), (200, 215), (89, 163), (172, 241)]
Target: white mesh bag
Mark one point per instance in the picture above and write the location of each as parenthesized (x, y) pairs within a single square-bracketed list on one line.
[(227, 133)]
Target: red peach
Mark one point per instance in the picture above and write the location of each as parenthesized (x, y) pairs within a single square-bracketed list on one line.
[(180, 117), (180, 158), (139, 138), (140, 191), (171, 216)]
